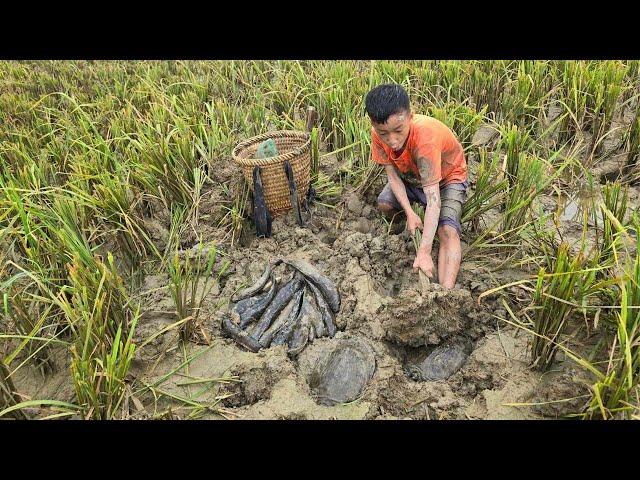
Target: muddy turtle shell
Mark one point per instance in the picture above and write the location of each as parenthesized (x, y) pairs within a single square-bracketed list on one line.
[(343, 372), (443, 362)]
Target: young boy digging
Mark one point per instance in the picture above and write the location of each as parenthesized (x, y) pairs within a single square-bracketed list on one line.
[(425, 163)]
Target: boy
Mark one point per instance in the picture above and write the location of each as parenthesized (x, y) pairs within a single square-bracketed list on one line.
[(425, 163)]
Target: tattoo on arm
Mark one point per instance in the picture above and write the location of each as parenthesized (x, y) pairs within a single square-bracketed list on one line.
[(425, 167), (432, 213), (432, 194)]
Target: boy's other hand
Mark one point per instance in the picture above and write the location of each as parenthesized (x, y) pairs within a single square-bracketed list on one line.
[(424, 262), (413, 222)]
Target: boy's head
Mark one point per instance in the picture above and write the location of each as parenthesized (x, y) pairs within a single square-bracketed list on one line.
[(390, 113)]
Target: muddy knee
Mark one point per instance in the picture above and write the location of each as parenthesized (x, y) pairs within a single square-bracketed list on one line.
[(387, 209), (447, 234)]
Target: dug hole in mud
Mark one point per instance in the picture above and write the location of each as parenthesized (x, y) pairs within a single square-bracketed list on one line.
[(387, 327)]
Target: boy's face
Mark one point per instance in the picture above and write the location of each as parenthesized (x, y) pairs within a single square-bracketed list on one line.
[(395, 131)]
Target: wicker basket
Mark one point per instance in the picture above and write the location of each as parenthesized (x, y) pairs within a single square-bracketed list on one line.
[(292, 146)]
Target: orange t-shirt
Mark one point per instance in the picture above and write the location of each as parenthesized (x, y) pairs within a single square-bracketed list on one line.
[(431, 139)]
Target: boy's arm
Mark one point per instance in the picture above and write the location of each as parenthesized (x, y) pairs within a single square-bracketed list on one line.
[(430, 173), (431, 216), (397, 187), (400, 192)]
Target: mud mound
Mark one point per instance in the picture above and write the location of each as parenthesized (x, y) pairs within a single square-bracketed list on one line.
[(414, 319), (402, 398), (560, 395), (257, 379), (158, 312)]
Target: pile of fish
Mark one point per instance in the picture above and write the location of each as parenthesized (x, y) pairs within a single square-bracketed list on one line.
[(294, 314)]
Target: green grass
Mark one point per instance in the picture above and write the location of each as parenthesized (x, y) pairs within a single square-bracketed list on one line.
[(190, 282), (615, 391), (103, 322), (89, 151), (553, 301)]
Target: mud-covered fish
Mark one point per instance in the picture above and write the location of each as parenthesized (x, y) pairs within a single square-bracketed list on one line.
[(293, 193), (246, 303), (239, 335), (261, 215), (283, 335), (311, 316), (325, 310), (288, 314), (315, 317), (312, 334), (277, 305), (299, 338), (257, 286), (250, 309), (313, 275)]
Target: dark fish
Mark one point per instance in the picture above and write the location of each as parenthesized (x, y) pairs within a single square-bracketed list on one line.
[(285, 332), (313, 275), (246, 303), (288, 314), (315, 317), (299, 338), (261, 215), (252, 308), (239, 335), (308, 202), (277, 305), (255, 288), (312, 333), (293, 193), (311, 196), (325, 310)]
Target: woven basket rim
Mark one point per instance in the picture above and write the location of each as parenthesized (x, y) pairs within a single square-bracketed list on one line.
[(306, 136)]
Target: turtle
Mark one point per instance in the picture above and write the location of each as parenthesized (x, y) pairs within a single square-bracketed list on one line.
[(343, 372), (440, 364)]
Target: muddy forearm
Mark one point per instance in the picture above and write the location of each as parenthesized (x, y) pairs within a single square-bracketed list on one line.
[(398, 188), (431, 216)]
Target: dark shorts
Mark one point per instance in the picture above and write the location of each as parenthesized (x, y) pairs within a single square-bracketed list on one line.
[(452, 198)]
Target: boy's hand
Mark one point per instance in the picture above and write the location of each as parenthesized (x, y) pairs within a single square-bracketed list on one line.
[(413, 221), (424, 262)]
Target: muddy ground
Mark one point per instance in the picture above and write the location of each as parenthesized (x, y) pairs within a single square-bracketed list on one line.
[(382, 305)]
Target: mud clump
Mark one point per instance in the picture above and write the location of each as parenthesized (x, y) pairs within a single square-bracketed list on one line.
[(158, 233), (256, 381), (413, 319), (563, 396), (338, 371), (158, 312), (487, 362), (403, 398)]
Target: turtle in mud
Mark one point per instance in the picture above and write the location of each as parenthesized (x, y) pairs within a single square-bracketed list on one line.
[(440, 364), (343, 371)]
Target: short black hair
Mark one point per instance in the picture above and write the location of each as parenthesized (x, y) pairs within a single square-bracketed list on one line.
[(386, 100)]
